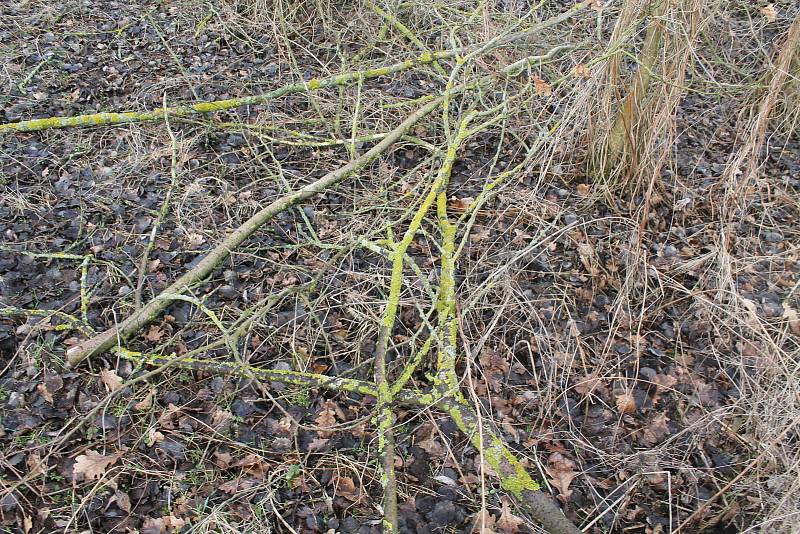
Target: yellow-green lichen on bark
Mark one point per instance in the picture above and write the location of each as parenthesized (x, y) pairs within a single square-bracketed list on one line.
[(299, 378), (513, 476)]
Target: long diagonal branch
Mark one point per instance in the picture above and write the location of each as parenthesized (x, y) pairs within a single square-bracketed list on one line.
[(338, 80), (216, 256)]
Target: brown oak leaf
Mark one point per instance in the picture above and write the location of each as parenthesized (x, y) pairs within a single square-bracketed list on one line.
[(655, 431), (154, 333), (345, 487), (508, 522), (326, 420), (110, 379), (542, 87), (484, 523), (562, 472), (93, 465)]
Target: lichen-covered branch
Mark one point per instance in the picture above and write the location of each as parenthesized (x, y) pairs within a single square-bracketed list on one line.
[(297, 378), (216, 256), (99, 119), (385, 416), (514, 478), (338, 80)]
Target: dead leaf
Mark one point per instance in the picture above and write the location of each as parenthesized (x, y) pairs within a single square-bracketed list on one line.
[(479, 234), (561, 472), (236, 485), (46, 395), (461, 204), (194, 240), (93, 465), (484, 523), (584, 189), (542, 87), (147, 402), (769, 12), (582, 71), (345, 487), (655, 432), (326, 420), (790, 314), (174, 523), (168, 418), (50, 385), (123, 501), (470, 479), (288, 426), (154, 333), (222, 460), (110, 379), (221, 419), (625, 403), (317, 444), (253, 465), (27, 523), (167, 523), (590, 384), (34, 464), (597, 5), (153, 437), (434, 448), (663, 383), (508, 522)]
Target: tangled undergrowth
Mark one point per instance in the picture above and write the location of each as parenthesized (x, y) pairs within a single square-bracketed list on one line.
[(427, 265)]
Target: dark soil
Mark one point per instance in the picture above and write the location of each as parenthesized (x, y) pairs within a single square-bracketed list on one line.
[(607, 369)]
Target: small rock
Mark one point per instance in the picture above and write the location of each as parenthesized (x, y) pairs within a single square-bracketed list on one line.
[(647, 373), (242, 408), (444, 513), (9, 502), (622, 348), (216, 384), (15, 400), (142, 223), (173, 449), (282, 444), (772, 305), (228, 292), (172, 397)]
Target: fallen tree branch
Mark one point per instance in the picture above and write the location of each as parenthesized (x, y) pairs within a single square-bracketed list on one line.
[(338, 80), (209, 263), (110, 118), (512, 475), (514, 478)]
